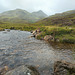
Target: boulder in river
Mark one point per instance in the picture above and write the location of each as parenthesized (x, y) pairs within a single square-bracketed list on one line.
[(64, 68), (48, 38), (23, 70)]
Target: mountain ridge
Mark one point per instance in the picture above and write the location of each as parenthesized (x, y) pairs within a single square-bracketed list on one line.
[(62, 19), (23, 15)]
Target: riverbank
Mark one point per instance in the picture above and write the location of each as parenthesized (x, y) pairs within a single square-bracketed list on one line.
[(64, 34), (17, 48), (56, 34)]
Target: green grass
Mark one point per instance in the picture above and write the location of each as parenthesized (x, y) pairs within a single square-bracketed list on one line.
[(18, 26), (59, 26), (64, 34)]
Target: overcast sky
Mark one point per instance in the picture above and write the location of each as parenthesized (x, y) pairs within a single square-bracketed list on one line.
[(50, 7)]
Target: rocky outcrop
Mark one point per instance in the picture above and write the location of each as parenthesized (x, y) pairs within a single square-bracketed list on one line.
[(49, 37), (23, 70), (36, 33), (64, 68)]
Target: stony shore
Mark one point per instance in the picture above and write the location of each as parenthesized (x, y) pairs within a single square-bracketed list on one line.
[(60, 68), (50, 37)]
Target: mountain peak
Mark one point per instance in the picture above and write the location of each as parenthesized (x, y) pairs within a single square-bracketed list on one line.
[(22, 15), (40, 11), (18, 9)]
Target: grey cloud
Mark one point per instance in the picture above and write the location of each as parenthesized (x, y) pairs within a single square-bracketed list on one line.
[(48, 6)]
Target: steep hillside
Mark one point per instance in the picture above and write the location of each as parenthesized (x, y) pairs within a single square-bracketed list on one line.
[(58, 28), (40, 14), (62, 19), (21, 16)]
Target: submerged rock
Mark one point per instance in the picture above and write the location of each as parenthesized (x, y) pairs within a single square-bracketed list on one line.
[(64, 68), (23, 70)]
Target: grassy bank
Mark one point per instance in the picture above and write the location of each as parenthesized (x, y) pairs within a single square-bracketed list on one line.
[(63, 34), (17, 26), (60, 26)]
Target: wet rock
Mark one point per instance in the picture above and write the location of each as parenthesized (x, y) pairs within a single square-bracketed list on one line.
[(31, 31), (3, 70), (23, 70), (32, 36), (8, 30), (36, 33), (64, 68), (48, 37)]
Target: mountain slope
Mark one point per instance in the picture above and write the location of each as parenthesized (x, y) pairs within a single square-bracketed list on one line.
[(40, 14), (62, 19), (21, 16)]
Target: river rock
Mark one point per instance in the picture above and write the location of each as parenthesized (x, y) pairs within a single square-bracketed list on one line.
[(36, 33), (48, 37), (3, 70), (64, 68), (23, 70), (8, 30)]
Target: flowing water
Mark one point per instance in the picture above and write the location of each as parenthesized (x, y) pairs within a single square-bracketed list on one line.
[(18, 48)]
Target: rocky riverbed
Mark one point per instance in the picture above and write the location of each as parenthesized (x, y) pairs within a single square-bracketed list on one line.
[(17, 48)]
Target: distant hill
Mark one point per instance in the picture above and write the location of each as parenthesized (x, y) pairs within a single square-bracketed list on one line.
[(21, 16), (60, 19)]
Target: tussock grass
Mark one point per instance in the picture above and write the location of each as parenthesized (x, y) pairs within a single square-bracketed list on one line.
[(64, 34)]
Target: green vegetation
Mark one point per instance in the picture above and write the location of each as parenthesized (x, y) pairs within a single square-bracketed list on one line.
[(16, 26), (21, 16), (63, 19), (60, 26), (64, 34)]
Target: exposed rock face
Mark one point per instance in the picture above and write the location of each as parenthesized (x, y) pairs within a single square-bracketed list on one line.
[(48, 38), (64, 68), (23, 70)]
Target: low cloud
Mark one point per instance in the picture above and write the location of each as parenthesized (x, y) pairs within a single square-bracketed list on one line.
[(48, 6)]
